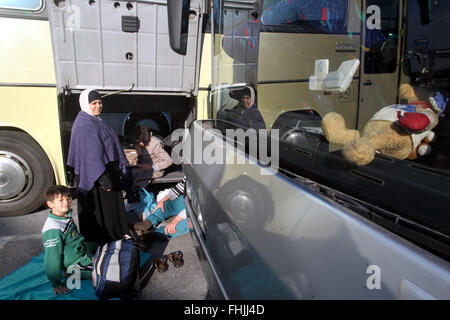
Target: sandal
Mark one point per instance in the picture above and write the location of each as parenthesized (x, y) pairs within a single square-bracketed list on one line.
[(177, 259), (160, 264)]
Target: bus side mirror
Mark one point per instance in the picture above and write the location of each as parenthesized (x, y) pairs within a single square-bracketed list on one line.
[(178, 19)]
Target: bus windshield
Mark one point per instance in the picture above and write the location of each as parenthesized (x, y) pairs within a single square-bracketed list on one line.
[(354, 91)]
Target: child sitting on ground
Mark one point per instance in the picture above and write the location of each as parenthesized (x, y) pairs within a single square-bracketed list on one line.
[(64, 246), (177, 208)]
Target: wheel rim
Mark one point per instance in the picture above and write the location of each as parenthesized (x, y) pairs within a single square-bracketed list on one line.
[(16, 176)]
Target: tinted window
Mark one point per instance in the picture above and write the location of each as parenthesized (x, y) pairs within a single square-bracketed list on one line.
[(309, 86), (33, 5), (381, 44), (324, 15)]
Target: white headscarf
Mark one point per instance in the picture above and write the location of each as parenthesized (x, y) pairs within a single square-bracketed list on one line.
[(252, 95), (84, 101)]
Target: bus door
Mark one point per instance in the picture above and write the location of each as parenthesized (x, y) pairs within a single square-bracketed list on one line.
[(113, 45), (380, 57)]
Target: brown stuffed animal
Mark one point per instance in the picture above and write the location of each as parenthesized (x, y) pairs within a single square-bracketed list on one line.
[(398, 131)]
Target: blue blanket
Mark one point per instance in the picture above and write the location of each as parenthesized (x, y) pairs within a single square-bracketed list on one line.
[(30, 283)]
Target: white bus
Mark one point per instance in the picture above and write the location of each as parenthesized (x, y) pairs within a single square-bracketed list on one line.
[(51, 50)]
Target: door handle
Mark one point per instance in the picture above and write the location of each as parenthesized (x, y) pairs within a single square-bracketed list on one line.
[(367, 83)]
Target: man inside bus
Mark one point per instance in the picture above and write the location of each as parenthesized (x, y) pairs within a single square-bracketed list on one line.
[(250, 116)]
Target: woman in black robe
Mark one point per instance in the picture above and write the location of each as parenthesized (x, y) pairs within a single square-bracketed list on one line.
[(98, 161)]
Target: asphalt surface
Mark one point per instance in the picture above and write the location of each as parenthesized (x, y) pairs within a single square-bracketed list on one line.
[(20, 240)]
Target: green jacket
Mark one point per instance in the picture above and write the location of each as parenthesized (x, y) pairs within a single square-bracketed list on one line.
[(63, 245)]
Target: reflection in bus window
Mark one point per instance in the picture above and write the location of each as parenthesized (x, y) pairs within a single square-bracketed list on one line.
[(238, 105), (279, 51), (381, 44), (33, 5), (327, 16)]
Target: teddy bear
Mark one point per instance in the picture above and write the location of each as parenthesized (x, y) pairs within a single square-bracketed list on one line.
[(401, 131)]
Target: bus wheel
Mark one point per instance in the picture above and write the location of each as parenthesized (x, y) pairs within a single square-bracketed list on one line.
[(25, 173)]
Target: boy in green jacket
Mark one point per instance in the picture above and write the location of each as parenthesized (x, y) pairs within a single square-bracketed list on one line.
[(64, 246)]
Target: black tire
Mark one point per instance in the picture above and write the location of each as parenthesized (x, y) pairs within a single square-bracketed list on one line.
[(23, 152)]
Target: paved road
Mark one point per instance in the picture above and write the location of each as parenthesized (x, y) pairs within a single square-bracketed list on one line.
[(20, 240)]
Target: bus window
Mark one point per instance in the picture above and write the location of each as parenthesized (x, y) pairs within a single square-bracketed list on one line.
[(284, 47), (281, 47), (33, 5), (321, 16), (381, 44)]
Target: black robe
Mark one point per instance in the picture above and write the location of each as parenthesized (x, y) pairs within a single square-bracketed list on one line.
[(101, 214)]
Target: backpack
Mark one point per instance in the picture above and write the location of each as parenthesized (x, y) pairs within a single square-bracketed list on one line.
[(116, 272)]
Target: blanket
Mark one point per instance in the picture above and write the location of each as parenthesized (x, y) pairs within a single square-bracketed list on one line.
[(30, 282)]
